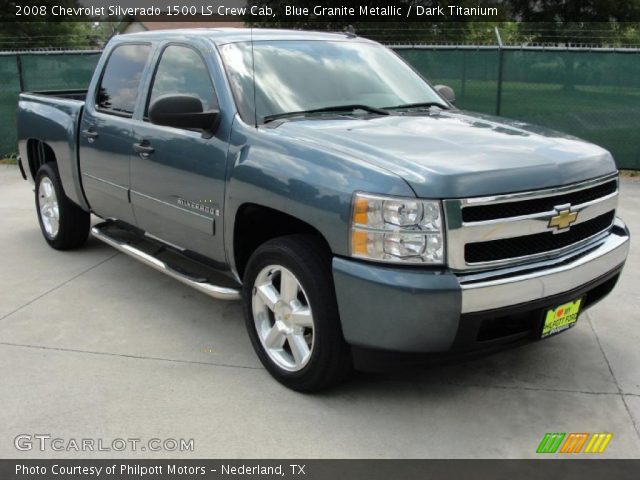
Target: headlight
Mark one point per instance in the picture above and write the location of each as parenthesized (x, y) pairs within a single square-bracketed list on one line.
[(397, 230)]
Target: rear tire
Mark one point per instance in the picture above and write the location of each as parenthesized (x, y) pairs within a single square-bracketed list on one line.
[(291, 313), (64, 225)]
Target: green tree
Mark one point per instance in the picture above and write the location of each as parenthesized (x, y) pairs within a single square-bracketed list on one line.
[(570, 21), (17, 34)]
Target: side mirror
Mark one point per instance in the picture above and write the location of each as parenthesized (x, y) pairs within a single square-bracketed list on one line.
[(447, 92), (183, 111)]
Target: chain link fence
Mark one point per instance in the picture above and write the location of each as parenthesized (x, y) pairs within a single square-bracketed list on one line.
[(31, 71), (590, 93)]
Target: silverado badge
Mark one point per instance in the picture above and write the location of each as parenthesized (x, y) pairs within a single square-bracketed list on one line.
[(200, 206)]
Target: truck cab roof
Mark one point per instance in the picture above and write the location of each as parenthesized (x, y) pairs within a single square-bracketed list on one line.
[(221, 36)]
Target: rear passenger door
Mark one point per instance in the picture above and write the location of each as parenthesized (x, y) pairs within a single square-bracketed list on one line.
[(106, 131), (177, 184)]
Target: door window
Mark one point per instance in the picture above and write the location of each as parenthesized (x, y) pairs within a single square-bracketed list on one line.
[(182, 71), (120, 80)]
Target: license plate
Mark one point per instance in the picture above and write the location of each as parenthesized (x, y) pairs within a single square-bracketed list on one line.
[(560, 318)]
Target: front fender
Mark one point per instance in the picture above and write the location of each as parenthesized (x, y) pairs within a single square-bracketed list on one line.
[(305, 181)]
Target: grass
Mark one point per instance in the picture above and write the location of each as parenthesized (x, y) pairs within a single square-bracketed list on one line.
[(9, 160)]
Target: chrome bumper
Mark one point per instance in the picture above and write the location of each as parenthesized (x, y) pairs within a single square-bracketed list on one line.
[(479, 294)]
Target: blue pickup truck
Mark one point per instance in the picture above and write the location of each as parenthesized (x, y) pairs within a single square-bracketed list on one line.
[(360, 216)]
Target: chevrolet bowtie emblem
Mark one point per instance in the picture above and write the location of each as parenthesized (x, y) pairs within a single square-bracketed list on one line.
[(563, 219)]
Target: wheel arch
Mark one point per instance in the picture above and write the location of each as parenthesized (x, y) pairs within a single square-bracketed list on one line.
[(39, 153), (255, 224)]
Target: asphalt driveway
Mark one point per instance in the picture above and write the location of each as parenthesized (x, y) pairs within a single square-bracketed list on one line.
[(96, 345)]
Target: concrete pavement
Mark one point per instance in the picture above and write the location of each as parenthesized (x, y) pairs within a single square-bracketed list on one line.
[(96, 345)]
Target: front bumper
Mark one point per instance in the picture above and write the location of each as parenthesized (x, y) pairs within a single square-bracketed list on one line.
[(417, 310)]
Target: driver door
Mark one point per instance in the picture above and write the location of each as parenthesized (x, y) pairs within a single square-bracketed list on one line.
[(178, 176)]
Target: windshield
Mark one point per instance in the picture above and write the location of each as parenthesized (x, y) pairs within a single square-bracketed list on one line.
[(297, 76)]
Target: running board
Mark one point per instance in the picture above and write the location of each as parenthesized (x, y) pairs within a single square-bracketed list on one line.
[(199, 283)]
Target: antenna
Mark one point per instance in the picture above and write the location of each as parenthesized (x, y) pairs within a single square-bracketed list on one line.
[(253, 74)]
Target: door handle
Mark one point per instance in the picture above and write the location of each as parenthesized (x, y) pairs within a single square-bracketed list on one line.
[(143, 148), (90, 134)]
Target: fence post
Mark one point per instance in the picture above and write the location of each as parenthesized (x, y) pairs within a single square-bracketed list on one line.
[(463, 87), (500, 72), (20, 76)]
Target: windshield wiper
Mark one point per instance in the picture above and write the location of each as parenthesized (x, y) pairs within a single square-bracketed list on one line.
[(336, 108), (418, 105)]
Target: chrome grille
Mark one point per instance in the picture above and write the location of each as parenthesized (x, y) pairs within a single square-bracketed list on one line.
[(515, 228), (480, 213)]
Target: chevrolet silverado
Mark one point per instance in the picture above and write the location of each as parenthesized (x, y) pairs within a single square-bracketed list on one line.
[(356, 212)]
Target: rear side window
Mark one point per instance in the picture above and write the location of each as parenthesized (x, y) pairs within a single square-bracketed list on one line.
[(118, 89), (182, 71)]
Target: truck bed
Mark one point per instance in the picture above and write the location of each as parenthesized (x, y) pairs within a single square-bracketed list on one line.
[(65, 94), (53, 117)]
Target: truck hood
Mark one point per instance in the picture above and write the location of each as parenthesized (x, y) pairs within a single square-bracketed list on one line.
[(458, 154)]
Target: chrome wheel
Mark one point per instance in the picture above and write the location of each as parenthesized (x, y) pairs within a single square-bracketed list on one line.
[(49, 211), (283, 318)]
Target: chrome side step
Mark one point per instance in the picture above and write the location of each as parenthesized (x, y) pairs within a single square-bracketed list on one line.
[(200, 284)]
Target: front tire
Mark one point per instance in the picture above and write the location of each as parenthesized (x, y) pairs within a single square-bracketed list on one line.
[(292, 316), (64, 225)]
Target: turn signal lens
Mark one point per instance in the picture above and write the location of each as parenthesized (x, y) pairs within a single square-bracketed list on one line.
[(359, 240), (360, 211)]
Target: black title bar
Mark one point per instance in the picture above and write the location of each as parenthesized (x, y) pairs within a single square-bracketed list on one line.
[(317, 469), (296, 11)]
